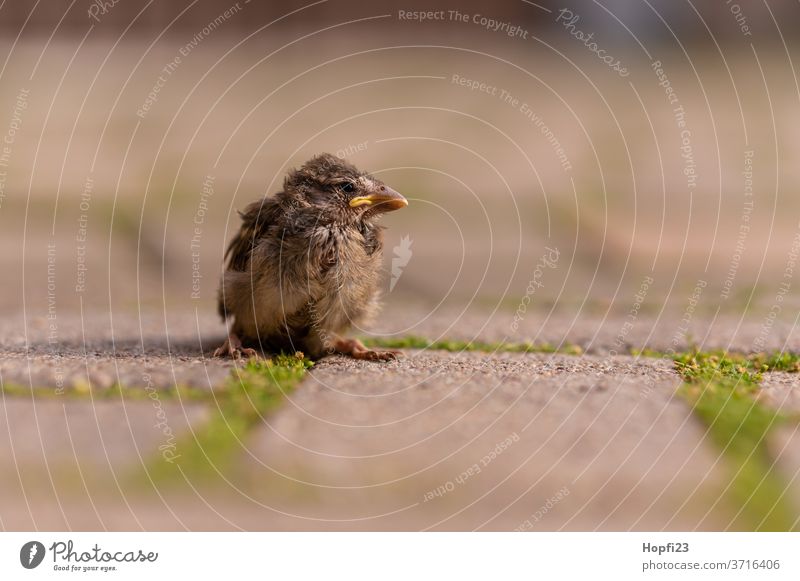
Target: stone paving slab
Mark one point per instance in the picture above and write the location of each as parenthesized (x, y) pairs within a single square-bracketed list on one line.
[(423, 439), (59, 456), (361, 446), (99, 351), (781, 390), (438, 440), (595, 332), (175, 347), (98, 371), (785, 449)]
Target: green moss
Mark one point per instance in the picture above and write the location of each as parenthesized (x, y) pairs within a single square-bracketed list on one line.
[(250, 392), (415, 342), (19, 390), (789, 362), (721, 389), (716, 365), (723, 361), (83, 391), (647, 352)]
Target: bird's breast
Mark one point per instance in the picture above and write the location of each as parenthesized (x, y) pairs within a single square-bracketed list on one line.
[(351, 271)]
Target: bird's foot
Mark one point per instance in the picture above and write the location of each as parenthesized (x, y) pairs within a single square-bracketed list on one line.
[(357, 350), (232, 347), (375, 355)]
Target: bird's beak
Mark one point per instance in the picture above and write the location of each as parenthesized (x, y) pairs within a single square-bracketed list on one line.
[(384, 199)]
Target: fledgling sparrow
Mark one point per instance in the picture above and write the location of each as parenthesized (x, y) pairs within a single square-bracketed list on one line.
[(305, 264)]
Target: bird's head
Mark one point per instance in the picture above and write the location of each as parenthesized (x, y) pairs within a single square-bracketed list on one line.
[(340, 191)]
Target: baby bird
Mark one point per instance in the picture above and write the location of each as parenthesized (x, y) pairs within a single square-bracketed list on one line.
[(305, 264)]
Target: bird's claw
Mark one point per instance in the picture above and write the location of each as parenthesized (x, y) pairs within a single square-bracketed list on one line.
[(357, 350), (233, 348), (373, 355), (245, 353), (236, 353)]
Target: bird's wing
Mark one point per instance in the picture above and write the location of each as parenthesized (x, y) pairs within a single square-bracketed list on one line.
[(256, 219)]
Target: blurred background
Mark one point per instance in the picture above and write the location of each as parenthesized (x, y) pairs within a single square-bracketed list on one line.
[(594, 161), (639, 139)]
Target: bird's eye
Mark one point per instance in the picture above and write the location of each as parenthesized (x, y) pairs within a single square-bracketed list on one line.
[(348, 187)]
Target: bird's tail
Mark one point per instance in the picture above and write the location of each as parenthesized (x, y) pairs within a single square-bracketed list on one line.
[(223, 312)]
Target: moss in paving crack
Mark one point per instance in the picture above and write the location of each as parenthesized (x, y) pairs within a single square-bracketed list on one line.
[(251, 391), (84, 391), (756, 362), (789, 362), (722, 390), (415, 342), (716, 366)]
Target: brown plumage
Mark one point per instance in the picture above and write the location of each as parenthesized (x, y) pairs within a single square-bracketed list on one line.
[(305, 264)]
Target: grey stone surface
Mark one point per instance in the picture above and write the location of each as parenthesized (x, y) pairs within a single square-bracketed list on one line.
[(174, 347), (98, 351), (596, 332), (785, 449), (361, 445), (361, 441), (61, 457), (782, 391)]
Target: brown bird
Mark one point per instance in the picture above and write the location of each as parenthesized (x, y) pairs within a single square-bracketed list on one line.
[(305, 264)]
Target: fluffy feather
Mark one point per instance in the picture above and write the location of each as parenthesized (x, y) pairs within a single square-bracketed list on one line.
[(305, 263)]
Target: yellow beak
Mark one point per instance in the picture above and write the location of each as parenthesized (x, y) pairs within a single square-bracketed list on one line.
[(385, 199)]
